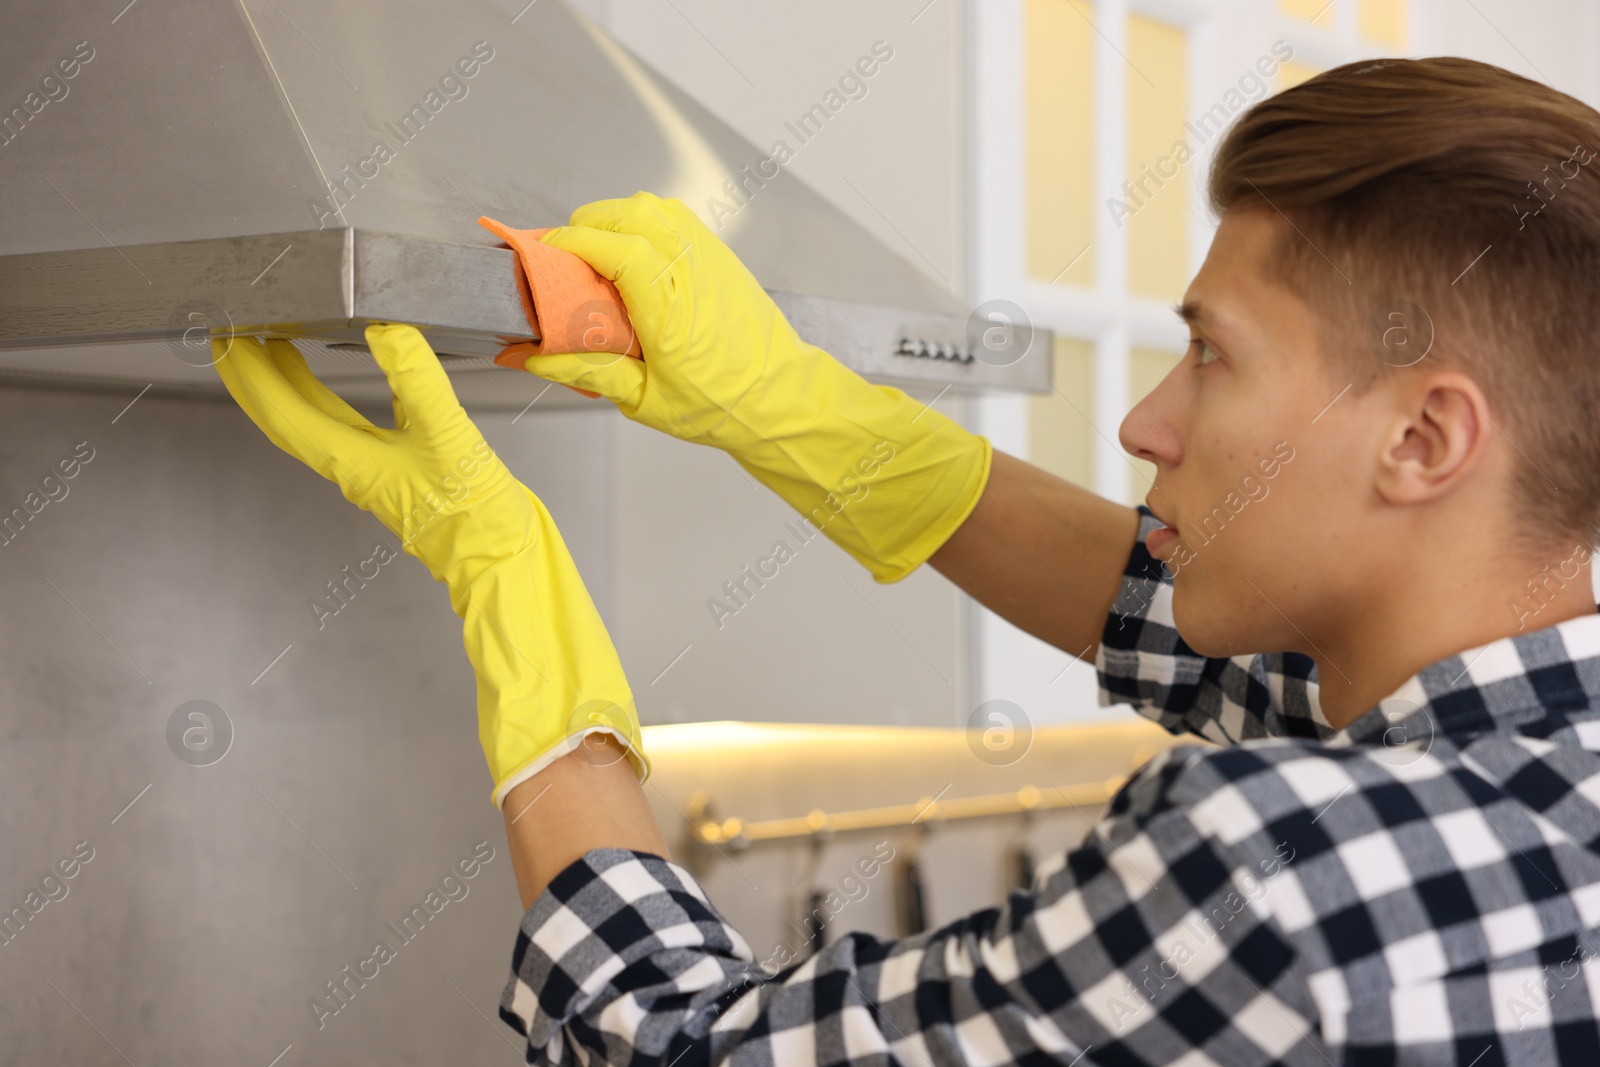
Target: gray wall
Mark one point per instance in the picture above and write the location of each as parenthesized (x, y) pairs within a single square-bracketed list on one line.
[(819, 642), (895, 160), (227, 894)]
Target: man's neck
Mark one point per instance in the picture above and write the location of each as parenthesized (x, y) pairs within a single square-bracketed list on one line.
[(1380, 647)]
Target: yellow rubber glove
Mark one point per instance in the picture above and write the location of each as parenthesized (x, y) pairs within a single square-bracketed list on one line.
[(887, 478), (548, 674)]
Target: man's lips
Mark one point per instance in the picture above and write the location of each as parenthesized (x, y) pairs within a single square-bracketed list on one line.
[(1160, 541)]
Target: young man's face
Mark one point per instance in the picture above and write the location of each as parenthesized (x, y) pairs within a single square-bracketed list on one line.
[(1261, 483)]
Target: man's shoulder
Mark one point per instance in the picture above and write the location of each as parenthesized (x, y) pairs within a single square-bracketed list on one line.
[(1188, 774), (1286, 786)]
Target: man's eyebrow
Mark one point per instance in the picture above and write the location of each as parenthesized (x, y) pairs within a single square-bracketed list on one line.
[(1189, 311)]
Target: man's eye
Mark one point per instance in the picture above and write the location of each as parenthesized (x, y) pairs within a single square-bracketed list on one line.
[(1207, 355)]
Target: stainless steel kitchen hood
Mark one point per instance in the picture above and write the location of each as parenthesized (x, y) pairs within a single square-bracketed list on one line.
[(306, 167)]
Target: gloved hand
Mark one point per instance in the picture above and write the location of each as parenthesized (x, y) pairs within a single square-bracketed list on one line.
[(887, 478), (548, 674)]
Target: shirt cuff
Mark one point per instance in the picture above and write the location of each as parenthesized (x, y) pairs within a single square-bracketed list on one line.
[(608, 910), (1140, 653)]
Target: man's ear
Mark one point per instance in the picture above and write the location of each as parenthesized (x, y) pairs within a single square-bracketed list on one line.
[(1439, 437)]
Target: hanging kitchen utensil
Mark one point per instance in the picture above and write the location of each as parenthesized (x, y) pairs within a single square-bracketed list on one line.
[(1021, 863), (910, 891), (1021, 866), (812, 897)]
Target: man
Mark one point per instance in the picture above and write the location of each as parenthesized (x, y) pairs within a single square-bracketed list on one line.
[(1394, 858)]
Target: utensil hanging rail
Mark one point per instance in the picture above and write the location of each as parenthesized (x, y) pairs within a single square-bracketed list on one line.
[(740, 834)]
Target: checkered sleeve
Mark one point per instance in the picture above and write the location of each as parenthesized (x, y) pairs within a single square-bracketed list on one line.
[(1142, 661), (1151, 943)]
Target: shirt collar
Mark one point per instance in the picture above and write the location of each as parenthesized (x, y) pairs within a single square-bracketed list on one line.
[(1550, 675)]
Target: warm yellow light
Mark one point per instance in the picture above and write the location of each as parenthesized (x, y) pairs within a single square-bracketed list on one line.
[(729, 736)]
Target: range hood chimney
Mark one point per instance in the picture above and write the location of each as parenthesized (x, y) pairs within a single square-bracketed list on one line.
[(306, 167)]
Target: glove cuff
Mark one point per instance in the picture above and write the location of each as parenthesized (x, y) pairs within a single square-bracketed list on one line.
[(548, 674), (635, 756)]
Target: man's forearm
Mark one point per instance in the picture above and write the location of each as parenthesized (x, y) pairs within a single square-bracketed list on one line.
[(586, 800), (1042, 553)]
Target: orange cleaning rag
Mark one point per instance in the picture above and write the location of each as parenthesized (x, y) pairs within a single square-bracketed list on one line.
[(570, 305)]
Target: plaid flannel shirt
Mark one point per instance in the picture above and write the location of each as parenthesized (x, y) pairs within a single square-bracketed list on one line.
[(1419, 887)]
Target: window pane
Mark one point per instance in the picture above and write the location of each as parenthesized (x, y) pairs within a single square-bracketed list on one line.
[(1058, 81), (1383, 22), (1317, 12), (1060, 436), (1158, 152)]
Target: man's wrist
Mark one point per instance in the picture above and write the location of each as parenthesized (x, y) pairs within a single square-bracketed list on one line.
[(586, 800)]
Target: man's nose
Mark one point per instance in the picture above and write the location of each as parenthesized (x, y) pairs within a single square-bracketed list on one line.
[(1153, 430)]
